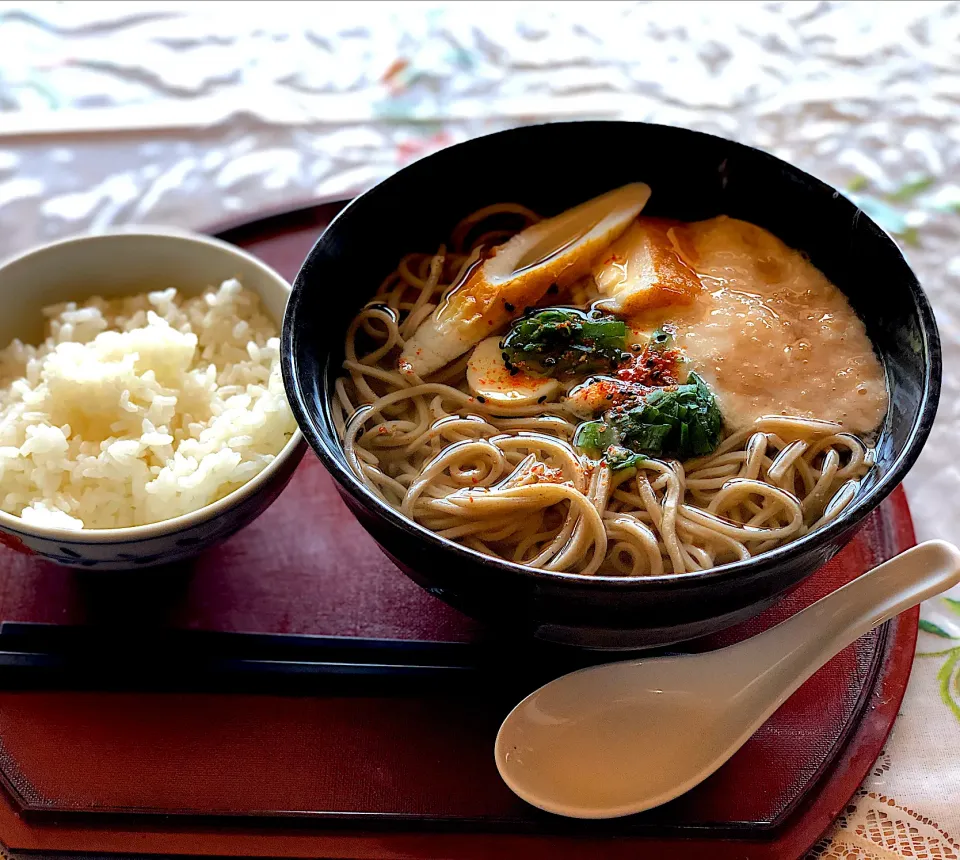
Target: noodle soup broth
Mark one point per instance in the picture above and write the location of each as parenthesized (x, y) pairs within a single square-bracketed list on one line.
[(608, 393)]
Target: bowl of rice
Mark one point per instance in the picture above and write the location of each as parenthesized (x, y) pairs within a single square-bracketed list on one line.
[(142, 410)]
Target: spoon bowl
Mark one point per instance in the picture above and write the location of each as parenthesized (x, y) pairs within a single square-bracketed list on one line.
[(620, 738)]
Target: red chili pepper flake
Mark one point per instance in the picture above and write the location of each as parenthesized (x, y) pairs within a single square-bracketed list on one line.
[(546, 474), (651, 367)]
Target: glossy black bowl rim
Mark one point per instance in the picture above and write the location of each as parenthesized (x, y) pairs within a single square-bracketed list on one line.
[(334, 461)]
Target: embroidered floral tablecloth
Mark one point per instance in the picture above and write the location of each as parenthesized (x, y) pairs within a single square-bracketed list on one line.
[(186, 113)]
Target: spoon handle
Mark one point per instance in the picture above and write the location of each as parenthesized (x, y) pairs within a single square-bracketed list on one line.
[(786, 655)]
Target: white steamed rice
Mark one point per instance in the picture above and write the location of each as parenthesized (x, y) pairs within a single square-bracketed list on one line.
[(140, 409)]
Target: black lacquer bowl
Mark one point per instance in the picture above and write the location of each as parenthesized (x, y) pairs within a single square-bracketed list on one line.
[(550, 168)]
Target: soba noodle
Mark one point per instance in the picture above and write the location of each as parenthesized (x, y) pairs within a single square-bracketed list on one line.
[(507, 482)]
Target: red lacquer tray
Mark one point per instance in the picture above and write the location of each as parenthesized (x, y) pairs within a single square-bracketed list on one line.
[(222, 734)]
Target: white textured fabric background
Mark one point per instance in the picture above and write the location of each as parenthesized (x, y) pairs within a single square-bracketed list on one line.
[(185, 113)]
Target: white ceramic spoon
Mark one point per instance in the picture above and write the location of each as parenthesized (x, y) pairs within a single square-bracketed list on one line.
[(620, 738)]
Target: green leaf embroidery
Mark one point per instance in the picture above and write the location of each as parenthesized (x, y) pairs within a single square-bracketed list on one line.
[(944, 676), (911, 189), (858, 183), (910, 236), (945, 653), (948, 676), (930, 627), (953, 604)]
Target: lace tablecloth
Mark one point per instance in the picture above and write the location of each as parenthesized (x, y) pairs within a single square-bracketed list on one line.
[(186, 113)]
